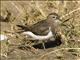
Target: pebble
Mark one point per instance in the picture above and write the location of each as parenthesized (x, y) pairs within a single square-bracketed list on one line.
[(3, 37)]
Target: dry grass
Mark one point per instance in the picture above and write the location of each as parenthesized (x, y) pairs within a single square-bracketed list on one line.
[(30, 12)]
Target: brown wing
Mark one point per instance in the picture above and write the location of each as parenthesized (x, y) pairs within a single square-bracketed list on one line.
[(40, 28)]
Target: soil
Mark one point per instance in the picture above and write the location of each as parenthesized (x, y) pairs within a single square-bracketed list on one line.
[(17, 47)]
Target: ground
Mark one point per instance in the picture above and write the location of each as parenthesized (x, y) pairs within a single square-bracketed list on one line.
[(17, 47)]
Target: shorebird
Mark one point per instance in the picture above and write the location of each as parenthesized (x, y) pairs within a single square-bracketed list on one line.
[(44, 29)]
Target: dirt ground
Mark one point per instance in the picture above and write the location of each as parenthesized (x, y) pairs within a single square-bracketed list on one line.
[(17, 47)]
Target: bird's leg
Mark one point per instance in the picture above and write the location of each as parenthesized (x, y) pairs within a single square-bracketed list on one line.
[(43, 44), (12, 27)]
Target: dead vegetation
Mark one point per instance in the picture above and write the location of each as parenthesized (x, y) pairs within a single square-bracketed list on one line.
[(17, 47)]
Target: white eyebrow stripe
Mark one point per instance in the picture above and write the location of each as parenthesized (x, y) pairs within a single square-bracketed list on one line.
[(39, 37)]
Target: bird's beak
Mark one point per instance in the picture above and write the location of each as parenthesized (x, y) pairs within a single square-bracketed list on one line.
[(59, 20)]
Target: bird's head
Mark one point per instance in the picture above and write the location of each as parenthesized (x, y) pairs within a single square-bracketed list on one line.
[(53, 17)]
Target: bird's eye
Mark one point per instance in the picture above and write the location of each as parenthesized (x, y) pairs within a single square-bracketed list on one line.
[(54, 17)]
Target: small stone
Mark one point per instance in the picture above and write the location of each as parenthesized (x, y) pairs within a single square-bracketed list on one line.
[(3, 37)]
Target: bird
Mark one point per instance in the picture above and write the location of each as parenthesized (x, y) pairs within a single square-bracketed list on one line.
[(42, 29)]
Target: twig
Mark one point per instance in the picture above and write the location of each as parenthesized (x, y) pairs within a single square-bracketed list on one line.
[(55, 51), (4, 55), (38, 7), (69, 13), (16, 7)]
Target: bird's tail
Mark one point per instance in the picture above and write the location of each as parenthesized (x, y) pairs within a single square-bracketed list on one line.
[(24, 28)]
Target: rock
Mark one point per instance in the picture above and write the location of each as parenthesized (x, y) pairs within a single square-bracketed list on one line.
[(3, 37)]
